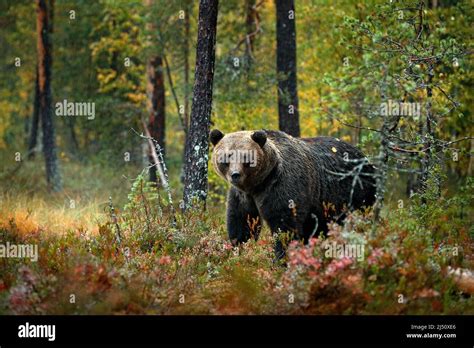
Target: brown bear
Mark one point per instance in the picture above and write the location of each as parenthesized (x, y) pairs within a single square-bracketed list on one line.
[(296, 185)]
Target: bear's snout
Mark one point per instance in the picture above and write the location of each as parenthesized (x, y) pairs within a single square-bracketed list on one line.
[(235, 177)]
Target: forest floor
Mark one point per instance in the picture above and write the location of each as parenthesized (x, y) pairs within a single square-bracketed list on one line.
[(135, 258)]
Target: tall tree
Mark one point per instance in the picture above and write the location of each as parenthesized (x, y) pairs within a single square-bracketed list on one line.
[(186, 39), (195, 173), (44, 95), (33, 136), (155, 90), (288, 114), (35, 120), (251, 27), (156, 105), (187, 10)]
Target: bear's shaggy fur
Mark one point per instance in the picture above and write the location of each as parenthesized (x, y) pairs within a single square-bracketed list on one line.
[(295, 185)]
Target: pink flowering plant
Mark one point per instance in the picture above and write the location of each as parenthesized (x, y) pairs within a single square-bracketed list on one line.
[(144, 261)]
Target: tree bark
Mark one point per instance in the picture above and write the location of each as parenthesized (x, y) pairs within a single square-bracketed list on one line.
[(35, 121), (73, 143), (186, 62), (156, 106), (186, 39), (45, 98), (251, 24), (32, 141), (286, 68), (470, 168), (430, 158), (195, 174), (155, 90)]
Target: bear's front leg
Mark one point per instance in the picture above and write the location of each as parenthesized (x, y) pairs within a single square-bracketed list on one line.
[(286, 222), (243, 220), (285, 233)]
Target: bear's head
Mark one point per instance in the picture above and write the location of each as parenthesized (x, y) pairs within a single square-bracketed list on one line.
[(243, 158)]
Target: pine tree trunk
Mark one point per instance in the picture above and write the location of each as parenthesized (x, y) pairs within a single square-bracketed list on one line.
[(186, 62), (286, 68), (32, 141), (73, 143), (430, 160), (45, 98), (195, 174), (470, 168), (35, 121), (186, 39), (155, 90), (250, 23), (156, 106)]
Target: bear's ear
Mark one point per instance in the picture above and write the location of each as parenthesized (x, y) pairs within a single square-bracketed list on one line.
[(215, 136), (260, 137)]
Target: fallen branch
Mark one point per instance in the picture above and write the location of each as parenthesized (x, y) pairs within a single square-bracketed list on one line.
[(159, 163)]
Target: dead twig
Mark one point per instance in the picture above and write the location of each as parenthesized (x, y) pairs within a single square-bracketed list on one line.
[(159, 163)]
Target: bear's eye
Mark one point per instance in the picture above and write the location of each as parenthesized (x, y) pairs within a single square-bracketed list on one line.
[(246, 164)]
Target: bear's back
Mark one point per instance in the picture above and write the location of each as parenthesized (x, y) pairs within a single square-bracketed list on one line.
[(340, 163)]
